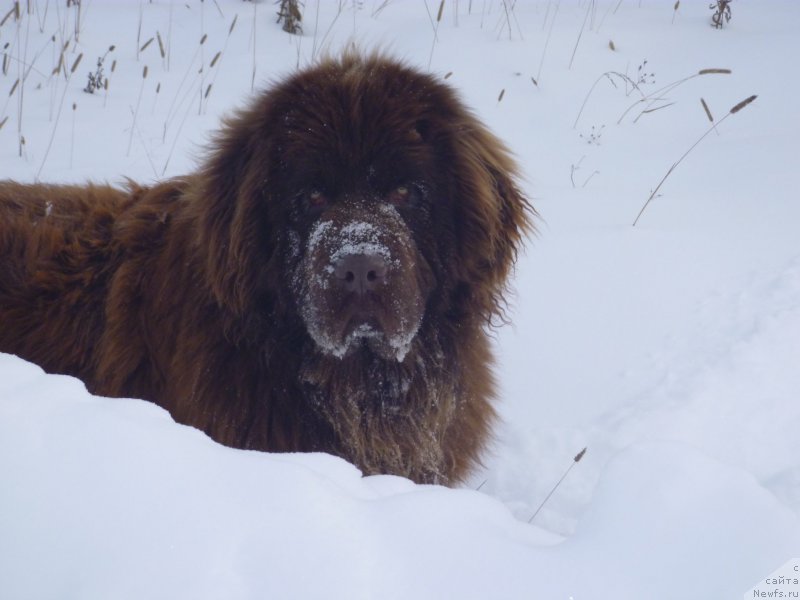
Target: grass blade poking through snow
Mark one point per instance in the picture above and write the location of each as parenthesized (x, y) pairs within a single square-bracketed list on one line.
[(136, 112), (589, 7), (435, 31), (255, 29), (657, 95), (68, 76), (708, 113), (732, 111), (546, 43), (607, 75), (72, 140), (217, 59), (575, 461)]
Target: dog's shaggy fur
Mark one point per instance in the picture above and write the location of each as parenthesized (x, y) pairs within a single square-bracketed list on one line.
[(323, 283)]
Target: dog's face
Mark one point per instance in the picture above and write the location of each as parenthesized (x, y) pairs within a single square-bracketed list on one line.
[(361, 264), (365, 201), (363, 205)]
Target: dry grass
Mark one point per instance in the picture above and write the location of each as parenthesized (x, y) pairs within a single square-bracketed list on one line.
[(575, 461), (136, 112), (72, 139), (707, 110), (722, 13), (290, 14), (610, 76), (589, 8), (61, 67), (538, 77), (649, 100), (653, 194), (435, 30)]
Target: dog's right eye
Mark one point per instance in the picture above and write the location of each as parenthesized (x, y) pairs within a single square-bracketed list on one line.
[(404, 196), (316, 200)]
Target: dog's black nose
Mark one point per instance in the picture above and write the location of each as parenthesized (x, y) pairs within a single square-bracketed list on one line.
[(360, 273)]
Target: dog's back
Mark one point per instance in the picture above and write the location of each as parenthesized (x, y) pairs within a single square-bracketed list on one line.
[(56, 259)]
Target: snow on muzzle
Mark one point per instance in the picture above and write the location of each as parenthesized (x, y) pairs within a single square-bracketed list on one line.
[(363, 282)]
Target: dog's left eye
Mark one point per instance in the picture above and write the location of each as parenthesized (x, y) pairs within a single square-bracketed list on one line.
[(314, 200), (402, 195), (317, 199)]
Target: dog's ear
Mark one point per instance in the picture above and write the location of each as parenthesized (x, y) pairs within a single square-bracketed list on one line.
[(493, 214), (233, 242)]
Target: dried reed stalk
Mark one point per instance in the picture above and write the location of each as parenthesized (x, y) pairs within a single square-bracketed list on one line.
[(732, 111), (72, 140), (708, 111), (656, 95), (589, 7), (435, 31), (574, 462), (136, 112), (546, 43)]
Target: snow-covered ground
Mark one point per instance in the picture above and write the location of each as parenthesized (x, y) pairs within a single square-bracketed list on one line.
[(670, 349)]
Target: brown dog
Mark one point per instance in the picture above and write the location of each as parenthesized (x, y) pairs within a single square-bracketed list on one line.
[(323, 283)]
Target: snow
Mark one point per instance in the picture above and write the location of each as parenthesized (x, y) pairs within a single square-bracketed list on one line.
[(669, 349), (112, 499), (358, 237)]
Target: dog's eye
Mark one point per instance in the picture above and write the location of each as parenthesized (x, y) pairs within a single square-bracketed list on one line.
[(402, 195), (316, 199)]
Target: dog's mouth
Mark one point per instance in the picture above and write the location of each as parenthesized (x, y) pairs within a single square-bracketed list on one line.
[(383, 337), (368, 333), (364, 335)]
